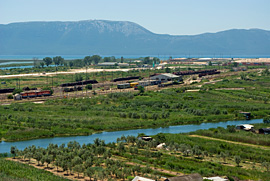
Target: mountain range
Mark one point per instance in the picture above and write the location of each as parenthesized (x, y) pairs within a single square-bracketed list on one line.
[(123, 38)]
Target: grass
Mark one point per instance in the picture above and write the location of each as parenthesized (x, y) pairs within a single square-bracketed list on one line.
[(10, 170)]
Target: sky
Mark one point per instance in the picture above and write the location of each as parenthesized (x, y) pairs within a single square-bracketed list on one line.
[(175, 17)]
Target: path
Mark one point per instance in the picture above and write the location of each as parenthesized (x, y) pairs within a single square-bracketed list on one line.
[(234, 142), (71, 71)]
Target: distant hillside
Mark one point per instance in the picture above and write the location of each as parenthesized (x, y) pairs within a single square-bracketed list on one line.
[(123, 38)]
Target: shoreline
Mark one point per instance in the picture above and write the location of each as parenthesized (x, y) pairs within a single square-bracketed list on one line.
[(127, 129)]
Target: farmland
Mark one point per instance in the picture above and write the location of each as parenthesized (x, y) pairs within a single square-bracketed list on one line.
[(130, 156)]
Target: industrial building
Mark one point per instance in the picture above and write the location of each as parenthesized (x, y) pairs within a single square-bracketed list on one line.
[(166, 77)]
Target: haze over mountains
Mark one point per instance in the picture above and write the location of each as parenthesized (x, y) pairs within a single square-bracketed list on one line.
[(123, 38)]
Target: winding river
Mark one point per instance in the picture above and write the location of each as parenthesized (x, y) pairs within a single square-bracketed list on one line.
[(112, 136)]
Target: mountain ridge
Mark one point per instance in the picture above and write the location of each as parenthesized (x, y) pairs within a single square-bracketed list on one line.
[(123, 37)]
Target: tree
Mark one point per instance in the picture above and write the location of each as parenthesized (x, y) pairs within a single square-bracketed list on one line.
[(88, 163), (48, 159), (47, 60), (38, 156), (266, 165), (107, 59), (237, 160), (266, 119), (223, 156), (96, 58), (79, 169), (58, 60), (234, 64), (89, 172), (87, 60), (78, 77), (42, 64), (196, 150), (167, 70), (14, 151), (121, 147), (141, 89), (122, 59)]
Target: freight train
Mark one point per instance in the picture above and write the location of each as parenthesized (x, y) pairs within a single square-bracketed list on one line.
[(79, 83), (36, 94), (137, 84), (192, 72), (7, 90), (126, 78), (209, 73)]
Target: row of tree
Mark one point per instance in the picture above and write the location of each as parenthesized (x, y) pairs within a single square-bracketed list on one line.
[(58, 60), (93, 160)]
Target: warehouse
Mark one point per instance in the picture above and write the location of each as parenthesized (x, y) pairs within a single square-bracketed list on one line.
[(166, 77)]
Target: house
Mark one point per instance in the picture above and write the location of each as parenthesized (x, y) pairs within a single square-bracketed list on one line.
[(123, 64), (246, 114), (191, 177), (246, 127), (137, 178), (161, 146), (264, 130), (216, 178), (146, 138), (17, 97), (166, 77)]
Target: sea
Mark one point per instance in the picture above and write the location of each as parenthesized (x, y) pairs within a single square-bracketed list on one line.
[(160, 56)]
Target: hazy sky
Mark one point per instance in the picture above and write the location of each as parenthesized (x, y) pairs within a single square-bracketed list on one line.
[(178, 17)]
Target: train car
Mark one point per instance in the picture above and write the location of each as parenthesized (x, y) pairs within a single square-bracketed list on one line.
[(45, 93), (124, 86), (144, 83), (31, 94), (6, 90), (165, 84), (24, 95), (155, 82), (39, 94), (79, 83), (126, 78), (133, 84)]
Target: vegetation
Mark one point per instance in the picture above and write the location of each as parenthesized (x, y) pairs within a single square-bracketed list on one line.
[(237, 135), (131, 156), (118, 111), (11, 170)]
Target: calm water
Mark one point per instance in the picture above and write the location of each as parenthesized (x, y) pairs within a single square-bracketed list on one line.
[(112, 136), (161, 56)]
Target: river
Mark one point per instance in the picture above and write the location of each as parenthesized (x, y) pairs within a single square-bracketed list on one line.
[(112, 136)]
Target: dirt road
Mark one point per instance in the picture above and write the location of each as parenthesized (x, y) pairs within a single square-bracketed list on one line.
[(233, 142), (71, 71)]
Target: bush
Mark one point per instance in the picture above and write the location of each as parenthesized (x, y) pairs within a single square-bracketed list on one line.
[(10, 96), (17, 91), (89, 86), (266, 119)]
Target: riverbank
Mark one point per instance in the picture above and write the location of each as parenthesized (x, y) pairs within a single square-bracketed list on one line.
[(112, 136), (181, 154)]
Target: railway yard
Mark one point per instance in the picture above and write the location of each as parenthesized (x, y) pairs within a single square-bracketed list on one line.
[(100, 87)]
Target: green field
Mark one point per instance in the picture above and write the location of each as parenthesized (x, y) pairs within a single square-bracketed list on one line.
[(118, 111)]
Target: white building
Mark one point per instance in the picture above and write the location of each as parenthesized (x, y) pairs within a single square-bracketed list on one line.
[(166, 77), (137, 178)]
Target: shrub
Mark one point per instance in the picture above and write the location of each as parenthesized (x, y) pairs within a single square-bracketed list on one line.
[(17, 91), (10, 96), (89, 86)]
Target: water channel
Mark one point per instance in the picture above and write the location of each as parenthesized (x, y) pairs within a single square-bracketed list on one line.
[(112, 136)]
